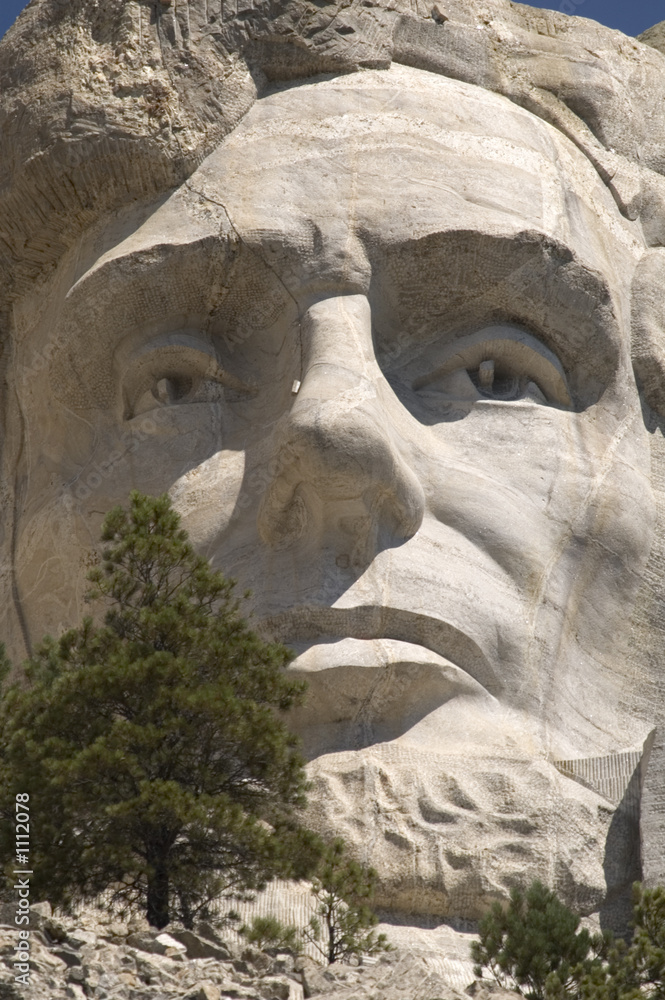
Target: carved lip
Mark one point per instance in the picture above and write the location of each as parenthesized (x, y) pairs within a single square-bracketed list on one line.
[(383, 684), (312, 624)]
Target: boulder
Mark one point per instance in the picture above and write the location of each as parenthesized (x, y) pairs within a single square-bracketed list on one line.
[(200, 947), (206, 930), (149, 942), (205, 990), (259, 959), (75, 992), (277, 989), (39, 914), (314, 978), (54, 931), (283, 962), (156, 970), (78, 938), (116, 929), (170, 943), (68, 955)]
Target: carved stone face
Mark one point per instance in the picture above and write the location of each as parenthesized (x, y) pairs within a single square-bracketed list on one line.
[(449, 517)]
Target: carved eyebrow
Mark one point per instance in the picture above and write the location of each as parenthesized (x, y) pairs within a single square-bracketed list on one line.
[(156, 290), (124, 282), (448, 283)]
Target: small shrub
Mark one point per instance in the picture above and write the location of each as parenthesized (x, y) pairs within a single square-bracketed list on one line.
[(645, 959), (342, 927), (270, 934), (533, 946)]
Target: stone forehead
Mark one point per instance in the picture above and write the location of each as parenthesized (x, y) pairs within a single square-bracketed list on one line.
[(448, 155), (105, 103)]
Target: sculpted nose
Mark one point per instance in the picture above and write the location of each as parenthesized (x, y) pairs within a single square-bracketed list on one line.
[(337, 460)]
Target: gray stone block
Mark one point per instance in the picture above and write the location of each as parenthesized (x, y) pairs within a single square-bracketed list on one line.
[(652, 813)]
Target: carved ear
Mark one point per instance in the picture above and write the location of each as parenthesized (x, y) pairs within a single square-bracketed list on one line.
[(648, 328)]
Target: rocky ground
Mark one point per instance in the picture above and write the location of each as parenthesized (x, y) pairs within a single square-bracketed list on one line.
[(95, 956)]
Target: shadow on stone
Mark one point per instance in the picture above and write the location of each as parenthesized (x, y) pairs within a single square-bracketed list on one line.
[(622, 861)]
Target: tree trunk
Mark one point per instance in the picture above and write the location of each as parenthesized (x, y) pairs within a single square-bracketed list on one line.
[(186, 914), (331, 941), (157, 910)]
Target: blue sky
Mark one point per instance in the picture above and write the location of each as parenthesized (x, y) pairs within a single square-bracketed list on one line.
[(632, 16)]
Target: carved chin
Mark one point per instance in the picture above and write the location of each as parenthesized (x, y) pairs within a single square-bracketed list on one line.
[(449, 835)]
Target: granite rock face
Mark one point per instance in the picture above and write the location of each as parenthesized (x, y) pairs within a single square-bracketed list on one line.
[(375, 291), (652, 819), (104, 104)]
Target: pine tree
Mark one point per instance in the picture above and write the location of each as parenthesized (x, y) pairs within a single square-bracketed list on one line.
[(149, 745), (270, 934), (342, 926), (646, 955), (534, 943), (534, 946)]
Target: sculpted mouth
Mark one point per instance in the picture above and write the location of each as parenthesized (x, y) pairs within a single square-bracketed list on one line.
[(346, 639)]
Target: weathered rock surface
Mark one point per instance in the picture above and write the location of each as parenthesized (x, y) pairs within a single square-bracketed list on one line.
[(654, 36), (652, 818), (106, 103), (129, 967), (375, 290)]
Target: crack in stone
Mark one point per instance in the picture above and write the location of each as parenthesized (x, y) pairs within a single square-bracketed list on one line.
[(219, 204)]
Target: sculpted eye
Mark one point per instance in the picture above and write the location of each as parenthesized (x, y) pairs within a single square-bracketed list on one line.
[(171, 389), (499, 363), (173, 370)]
